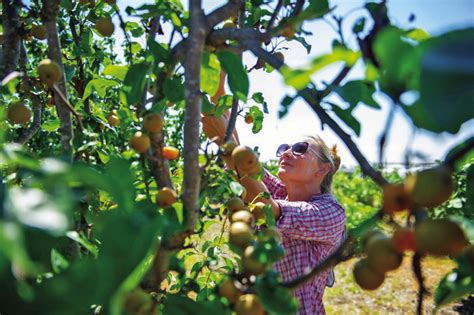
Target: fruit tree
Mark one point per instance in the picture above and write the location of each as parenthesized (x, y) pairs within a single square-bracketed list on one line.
[(112, 199)]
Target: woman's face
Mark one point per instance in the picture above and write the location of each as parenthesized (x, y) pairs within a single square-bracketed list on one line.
[(301, 168)]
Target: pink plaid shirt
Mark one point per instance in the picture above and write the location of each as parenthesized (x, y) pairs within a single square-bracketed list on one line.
[(310, 230)]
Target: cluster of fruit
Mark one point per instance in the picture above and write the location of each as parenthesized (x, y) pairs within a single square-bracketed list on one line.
[(242, 159), (437, 237), (258, 251), (140, 142), (49, 73)]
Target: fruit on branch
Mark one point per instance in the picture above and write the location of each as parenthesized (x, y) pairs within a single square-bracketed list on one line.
[(245, 161), (396, 198), (165, 197), (140, 142), (381, 254), (366, 277), (221, 89), (153, 122), (431, 187), (1, 38), (38, 31), (250, 263), (258, 211), (170, 153), (235, 204), (248, 119), (18, 113), (113, 118), (105, 26), (439, 237), (240, 234), (288, 32), (49, 72), (279, 55), (369, 235), (228, 290), (228, 147), (242, 216), (403, 240)]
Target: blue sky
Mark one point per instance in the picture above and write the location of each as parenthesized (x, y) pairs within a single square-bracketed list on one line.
[(434, 16)]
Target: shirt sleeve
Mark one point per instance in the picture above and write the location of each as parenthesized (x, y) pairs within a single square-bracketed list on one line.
[(320, 220), (275, 186)]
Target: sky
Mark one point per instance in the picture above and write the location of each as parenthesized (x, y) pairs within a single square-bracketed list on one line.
[(434, 16)]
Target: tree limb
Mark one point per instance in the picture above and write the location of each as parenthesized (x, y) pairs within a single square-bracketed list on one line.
[(11, 38), (310, 95), (48, 15), (35, 100)]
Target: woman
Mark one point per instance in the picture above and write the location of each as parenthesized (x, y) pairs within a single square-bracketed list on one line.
[(310, 219)]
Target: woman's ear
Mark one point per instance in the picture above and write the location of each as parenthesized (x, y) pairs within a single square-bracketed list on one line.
[(324, 169)]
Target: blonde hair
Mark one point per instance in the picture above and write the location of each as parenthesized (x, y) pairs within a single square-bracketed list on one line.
[(326, 155)]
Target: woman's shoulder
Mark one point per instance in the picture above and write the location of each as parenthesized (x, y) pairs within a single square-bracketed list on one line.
[(327, 200)]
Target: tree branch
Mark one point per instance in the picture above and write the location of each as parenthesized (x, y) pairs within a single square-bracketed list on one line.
[(235, 101), (35, 100), (48, 14), (11, 38), (222, 13), (192, 66), (311, 97)]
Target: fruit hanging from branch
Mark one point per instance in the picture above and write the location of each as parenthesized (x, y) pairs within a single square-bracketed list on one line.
[(49, 72)]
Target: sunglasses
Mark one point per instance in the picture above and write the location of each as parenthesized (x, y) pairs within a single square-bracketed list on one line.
[(299, 148)]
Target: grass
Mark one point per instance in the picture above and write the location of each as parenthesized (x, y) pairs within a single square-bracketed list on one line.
[(397, 295)]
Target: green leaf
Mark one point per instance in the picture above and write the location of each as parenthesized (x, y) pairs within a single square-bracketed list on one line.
[(10, 82), (160, 51), (258, 98), (207, 107), (236, 188), (420, 117), (134, 83), (58, 261), (276, 300), (257, 115), (315, 9), (447, 79), (371, 72), (399, 61), (453, 286), (418, 34), (173, 89), (51, 125), (359, 25), (300, 78), (357, 91), (460, 163), (346, 116), (269, 215), (38, 209), (237, 75), (182, 305), (303, 42), (118, 72), (101, 86), (210, 73)]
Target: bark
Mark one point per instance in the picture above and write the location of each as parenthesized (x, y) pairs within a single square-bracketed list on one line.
[(11, 38), (27, 134), (49, 14)]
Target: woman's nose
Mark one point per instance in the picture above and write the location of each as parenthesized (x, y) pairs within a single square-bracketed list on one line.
[(287, 152)]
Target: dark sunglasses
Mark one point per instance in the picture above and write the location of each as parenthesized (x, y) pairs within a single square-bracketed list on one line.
[(299, 148)]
